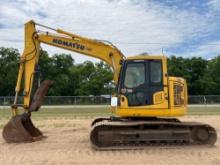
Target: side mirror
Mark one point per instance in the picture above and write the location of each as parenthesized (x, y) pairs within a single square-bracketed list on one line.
[(114, 101)]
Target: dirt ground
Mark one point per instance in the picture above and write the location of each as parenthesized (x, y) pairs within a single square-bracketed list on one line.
[(67, 143)]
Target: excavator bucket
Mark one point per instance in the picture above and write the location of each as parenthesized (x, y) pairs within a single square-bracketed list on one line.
[(20, 128)]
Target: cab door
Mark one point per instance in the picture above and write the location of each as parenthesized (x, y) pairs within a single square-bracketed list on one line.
[(142, 81)]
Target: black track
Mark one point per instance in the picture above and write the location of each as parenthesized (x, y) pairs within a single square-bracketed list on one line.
[(134, 133)]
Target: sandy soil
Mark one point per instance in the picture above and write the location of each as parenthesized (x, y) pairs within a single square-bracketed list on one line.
[(67, 142)]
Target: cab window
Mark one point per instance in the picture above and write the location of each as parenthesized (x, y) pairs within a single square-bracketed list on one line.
[(134, 75), (155, 72)]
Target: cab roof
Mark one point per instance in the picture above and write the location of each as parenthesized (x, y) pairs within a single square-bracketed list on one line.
[(146, 57)]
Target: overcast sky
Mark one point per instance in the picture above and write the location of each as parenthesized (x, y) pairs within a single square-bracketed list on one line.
[(182, 27)]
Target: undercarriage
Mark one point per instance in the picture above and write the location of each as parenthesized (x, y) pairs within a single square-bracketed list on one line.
[(134, 133)]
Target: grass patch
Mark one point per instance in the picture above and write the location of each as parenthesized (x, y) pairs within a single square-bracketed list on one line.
[(46, 113), (204, 111)]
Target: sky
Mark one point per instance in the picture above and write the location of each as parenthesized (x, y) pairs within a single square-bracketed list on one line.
[(184, 28)]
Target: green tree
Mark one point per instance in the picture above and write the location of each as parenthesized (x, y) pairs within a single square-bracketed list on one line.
[(86, 73), (203, 76), (58, 68), (9, 62), (94, 79), (212, 77), (192, 69)]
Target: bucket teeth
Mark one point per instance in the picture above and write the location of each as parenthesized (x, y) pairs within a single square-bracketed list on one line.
[(21, 129)]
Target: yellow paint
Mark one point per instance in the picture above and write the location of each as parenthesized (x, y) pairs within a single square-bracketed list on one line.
[(103, 51), (158, 97)]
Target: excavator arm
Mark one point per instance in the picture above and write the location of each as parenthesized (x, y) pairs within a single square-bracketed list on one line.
[(20, 128), (28, 64)]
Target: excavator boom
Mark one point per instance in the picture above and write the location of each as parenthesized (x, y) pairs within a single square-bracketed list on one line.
[(20, 128), (29, 60)]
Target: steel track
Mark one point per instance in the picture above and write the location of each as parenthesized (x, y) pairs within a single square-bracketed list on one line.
[(122, 133)]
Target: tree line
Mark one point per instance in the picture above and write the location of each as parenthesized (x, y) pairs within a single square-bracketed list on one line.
[(88, 78)]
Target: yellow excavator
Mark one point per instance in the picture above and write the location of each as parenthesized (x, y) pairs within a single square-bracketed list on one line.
[(145, 103)]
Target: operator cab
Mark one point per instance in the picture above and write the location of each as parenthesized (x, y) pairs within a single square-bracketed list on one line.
[(141, 79)]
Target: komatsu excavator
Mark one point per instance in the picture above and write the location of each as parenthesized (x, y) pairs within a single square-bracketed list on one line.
[(145, 103)]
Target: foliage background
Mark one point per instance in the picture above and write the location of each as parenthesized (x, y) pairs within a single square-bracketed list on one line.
[(88, 78)]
